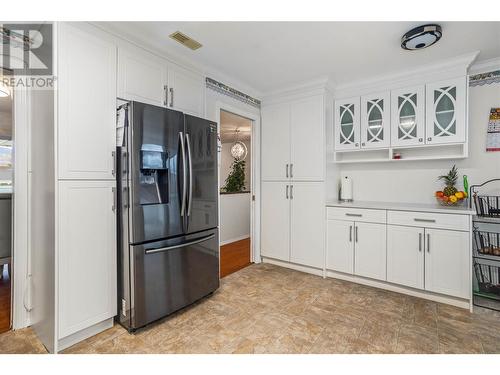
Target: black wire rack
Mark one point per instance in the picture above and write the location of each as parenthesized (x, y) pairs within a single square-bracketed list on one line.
[(486, 205)]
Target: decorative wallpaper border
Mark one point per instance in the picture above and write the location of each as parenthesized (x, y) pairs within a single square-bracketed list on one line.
[(229, 91), (484, 78)]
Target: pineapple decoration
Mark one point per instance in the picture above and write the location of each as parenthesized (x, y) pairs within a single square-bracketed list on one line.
[(450, 194)]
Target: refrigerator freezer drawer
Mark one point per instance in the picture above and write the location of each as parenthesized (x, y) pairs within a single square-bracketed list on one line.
[(169, 275)]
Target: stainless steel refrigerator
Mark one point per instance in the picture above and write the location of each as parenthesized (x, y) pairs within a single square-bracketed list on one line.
[(167, 213)]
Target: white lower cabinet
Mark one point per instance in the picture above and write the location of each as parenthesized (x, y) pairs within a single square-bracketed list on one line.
[(275, 222), (357, 248), (340, 247), (405, 256), (86, 258), (292, 228), (370, 250), (447, 262)]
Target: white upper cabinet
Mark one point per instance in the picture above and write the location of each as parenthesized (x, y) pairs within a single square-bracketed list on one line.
[(307, 140), (446, 111), (142, 77), (186, 91), (86, 105), (375, 120), (347, 122), (408, 116), (276, 142)]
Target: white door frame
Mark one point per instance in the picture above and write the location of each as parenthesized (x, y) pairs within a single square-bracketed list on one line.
[(255, 174)]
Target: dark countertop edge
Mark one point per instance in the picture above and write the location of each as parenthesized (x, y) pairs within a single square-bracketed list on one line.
[(232, 193)]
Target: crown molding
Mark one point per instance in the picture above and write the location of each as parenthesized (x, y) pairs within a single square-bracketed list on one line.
[(485, 66), (317, 86)]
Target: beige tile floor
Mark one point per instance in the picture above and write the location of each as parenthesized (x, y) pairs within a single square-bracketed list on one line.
[(268, 309)]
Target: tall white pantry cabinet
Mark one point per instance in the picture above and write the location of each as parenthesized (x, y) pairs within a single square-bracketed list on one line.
[(293, 148)]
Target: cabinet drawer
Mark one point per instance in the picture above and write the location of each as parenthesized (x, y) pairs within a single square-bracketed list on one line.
[(356, 214), (428, 220)]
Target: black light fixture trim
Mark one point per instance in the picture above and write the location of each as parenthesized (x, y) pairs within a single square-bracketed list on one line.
[(422, 36)]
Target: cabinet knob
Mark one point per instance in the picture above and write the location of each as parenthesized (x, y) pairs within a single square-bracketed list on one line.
[(420, 139), (363, 144), (429, 139), (356, 144)]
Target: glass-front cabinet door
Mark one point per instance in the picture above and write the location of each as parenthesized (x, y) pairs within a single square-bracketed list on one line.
[(347, 119), (445, 111), (408, 116), (375, 120)]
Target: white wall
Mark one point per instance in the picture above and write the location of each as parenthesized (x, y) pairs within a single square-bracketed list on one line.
[(226, 159), (234, 217), (416, 181)]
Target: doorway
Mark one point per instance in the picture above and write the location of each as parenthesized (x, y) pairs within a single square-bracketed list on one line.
[(235, 189), (6, 177)]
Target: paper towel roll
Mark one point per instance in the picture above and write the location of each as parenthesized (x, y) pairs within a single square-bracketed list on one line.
[(346, 189)]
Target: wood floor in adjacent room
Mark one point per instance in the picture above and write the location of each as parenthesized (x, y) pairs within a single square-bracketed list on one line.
[(234, 256), (4, 302), (268, 309)]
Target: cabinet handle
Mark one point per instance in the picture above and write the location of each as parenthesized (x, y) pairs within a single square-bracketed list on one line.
[(286, 191), (356, 233), (287, 171), (425, 220), (113, 170), (126, 198), (165, 89), (350, 233), (420, 242), (124, 162), (171, 97), (291, 191), (428, 242), (291, 170), (113, 207), (355, 215)]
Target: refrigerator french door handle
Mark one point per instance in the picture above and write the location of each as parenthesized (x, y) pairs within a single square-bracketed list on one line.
[(183, 153), (190, 199), (162, 249)]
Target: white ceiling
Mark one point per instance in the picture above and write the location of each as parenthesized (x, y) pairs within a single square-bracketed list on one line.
[(268, 56), (230, 124)]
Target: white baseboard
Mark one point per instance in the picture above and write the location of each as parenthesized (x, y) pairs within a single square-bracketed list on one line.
[(76, 337), (222, 243), (293, 266)]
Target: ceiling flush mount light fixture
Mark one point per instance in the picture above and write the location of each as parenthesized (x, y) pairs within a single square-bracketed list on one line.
[(421, 37)]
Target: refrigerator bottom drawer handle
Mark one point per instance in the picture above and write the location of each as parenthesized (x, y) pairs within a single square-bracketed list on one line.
[(162, 249)]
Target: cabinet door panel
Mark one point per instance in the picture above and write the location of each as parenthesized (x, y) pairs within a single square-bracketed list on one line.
[(370, 250), (347, 122), (340, 246), (87, 254), (447, 263), (275, 219), (142, 77), (308, 139), (375, 120), (445, 111), (86, 105), (408, 116), (186, 91), (307, 224), (405, 256), (275, 142)]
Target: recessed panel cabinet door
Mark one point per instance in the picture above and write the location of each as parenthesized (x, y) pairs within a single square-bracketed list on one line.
[(408, 116), (307, 224), (275, 219), (347, 122), (370, 250), (307, 139), (375, 120), (405, 256), (340, 246), (186, 91), (86, 105), (446, 111), (275, 142), (447, 264), (142, 77), (86, 257)]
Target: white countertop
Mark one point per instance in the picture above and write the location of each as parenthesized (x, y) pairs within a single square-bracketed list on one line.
[(462, 209)]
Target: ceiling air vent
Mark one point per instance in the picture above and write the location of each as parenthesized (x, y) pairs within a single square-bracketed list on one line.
[(185, 40)]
